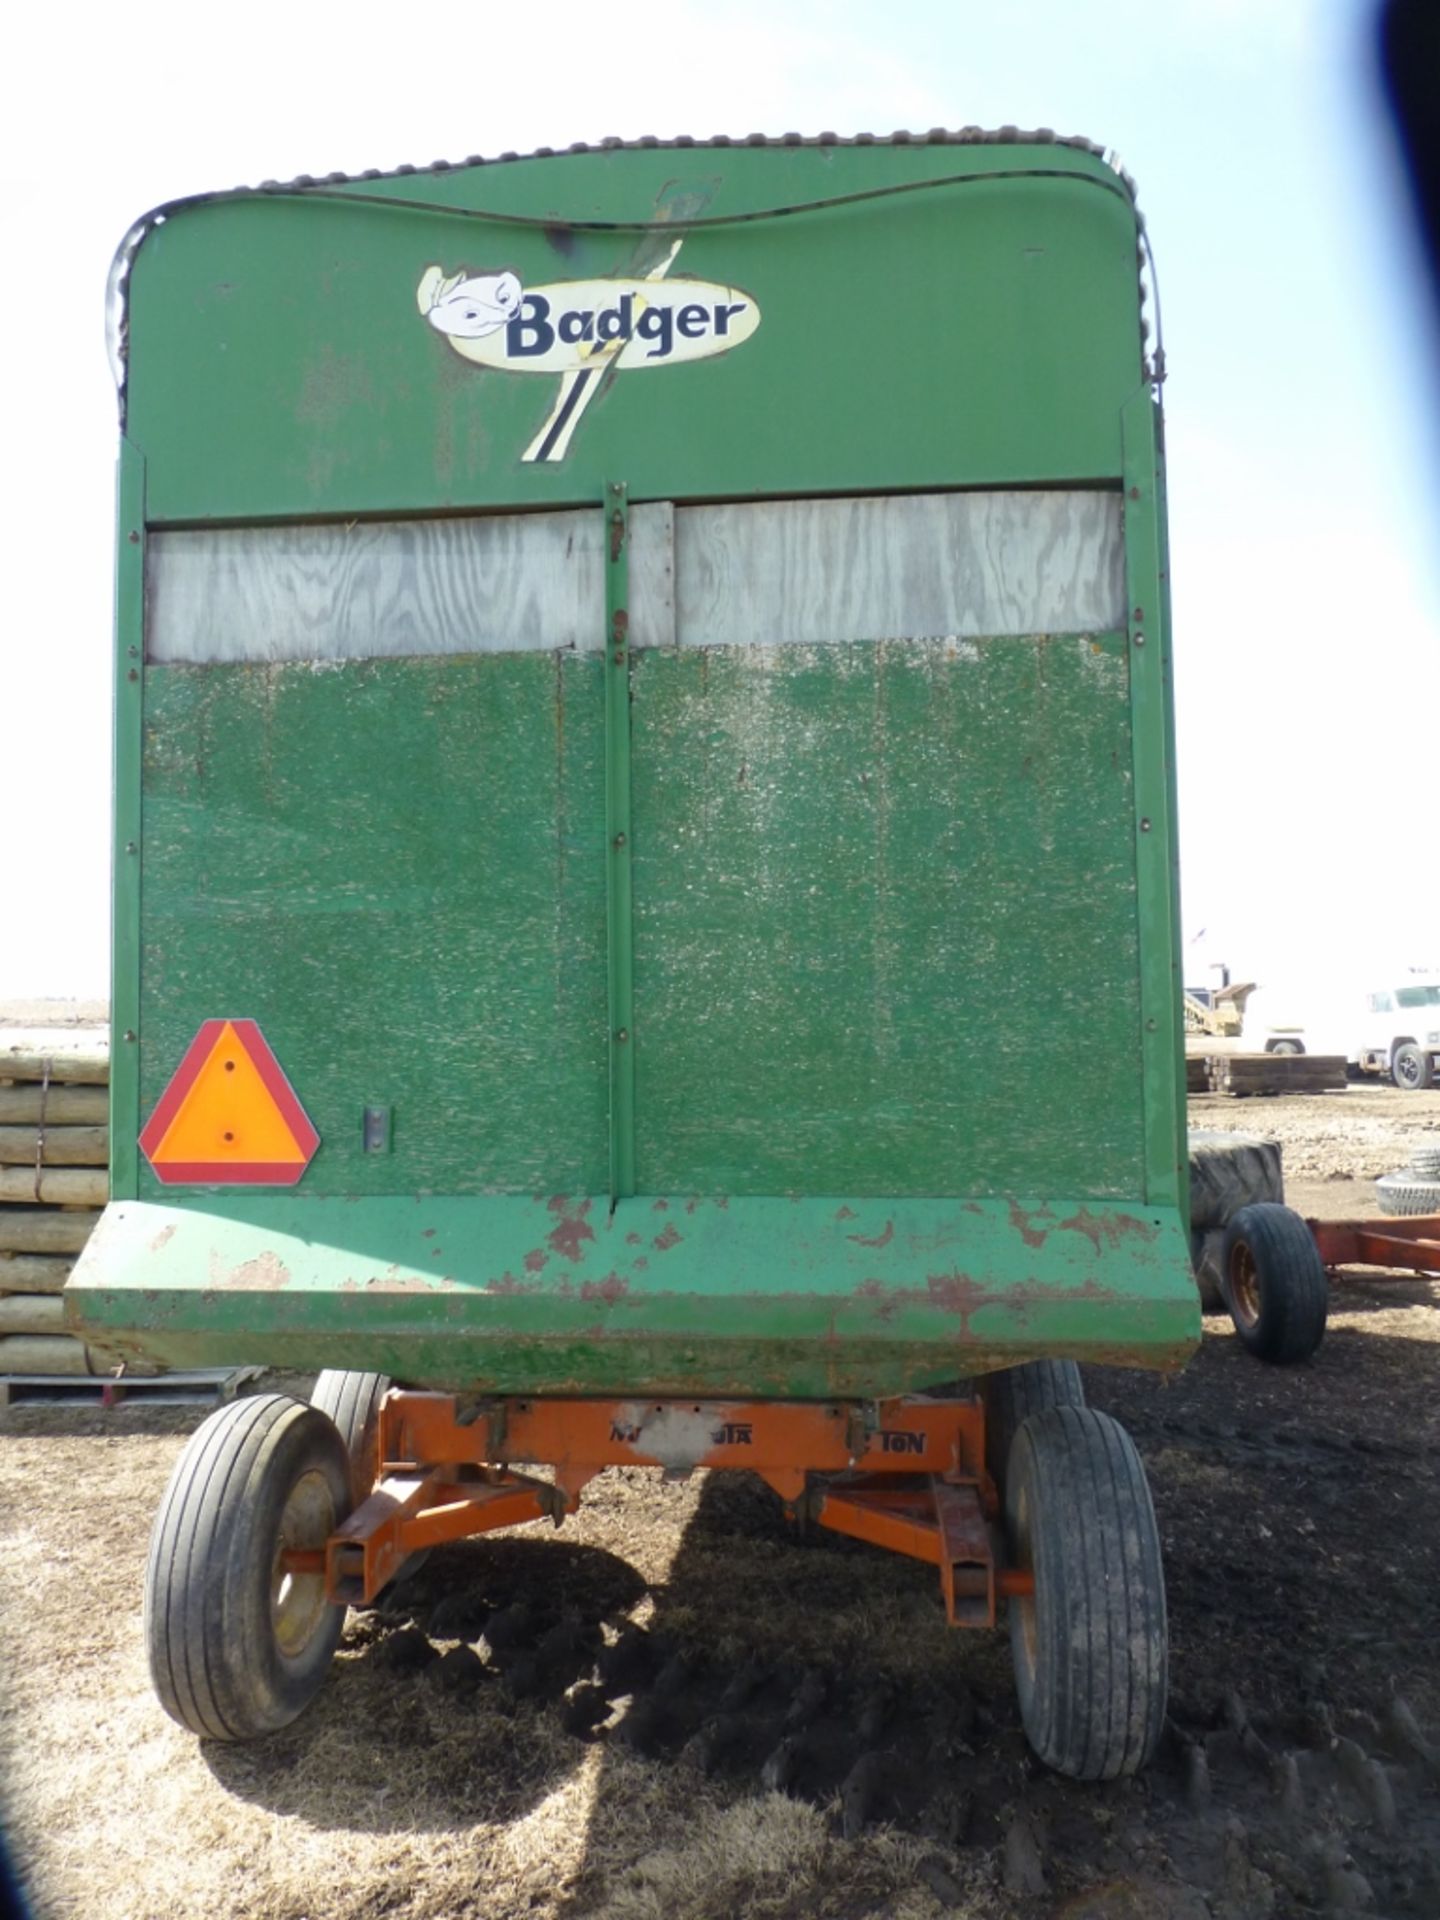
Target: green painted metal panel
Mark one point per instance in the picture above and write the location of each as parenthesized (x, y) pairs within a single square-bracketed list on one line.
[(981, 332), (896, 932), (886, 919), (555, 1295), (397, 868)]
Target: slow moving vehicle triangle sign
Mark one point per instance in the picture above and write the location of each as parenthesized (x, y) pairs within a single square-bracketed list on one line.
[(229, 1116)]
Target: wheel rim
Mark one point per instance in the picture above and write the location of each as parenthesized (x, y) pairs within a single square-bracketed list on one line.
[(1025, 1642), (297, 1600), (1244, 1285), (1407, 1071)]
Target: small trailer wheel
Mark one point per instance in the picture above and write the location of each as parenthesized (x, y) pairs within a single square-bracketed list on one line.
[(1274, 1284), (1089, 1646), (1012, 1395), (352, 1400), (238, 1645)]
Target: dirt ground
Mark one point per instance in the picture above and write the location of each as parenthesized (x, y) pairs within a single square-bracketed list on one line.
[(784, 1727)]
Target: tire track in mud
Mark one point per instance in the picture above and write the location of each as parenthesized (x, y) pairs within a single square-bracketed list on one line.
[(1278, 1791)]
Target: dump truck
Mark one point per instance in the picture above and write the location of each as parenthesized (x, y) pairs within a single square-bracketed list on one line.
[(645, 919)]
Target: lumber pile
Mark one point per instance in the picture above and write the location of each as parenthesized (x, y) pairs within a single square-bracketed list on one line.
[(54, 1179), (1244, 1074)]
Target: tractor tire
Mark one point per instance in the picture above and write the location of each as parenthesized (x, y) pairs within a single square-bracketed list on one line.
[(1410, 1067), (238, 1647), (1205, 1253), (1274, 1284), (1089, 1645), (352, 1401), (1402, 1195), (1014, 1394), (1229, 1171)]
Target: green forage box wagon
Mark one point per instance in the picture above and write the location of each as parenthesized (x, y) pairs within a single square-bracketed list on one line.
[(645, 898)]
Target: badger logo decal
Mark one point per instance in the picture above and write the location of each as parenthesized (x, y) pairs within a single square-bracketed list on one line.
[(586, 331)]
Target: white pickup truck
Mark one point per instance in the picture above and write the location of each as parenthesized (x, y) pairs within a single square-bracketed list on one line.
[(1392, 1030)]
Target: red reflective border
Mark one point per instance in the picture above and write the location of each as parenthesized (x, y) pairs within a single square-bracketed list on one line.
[(230, 1173)]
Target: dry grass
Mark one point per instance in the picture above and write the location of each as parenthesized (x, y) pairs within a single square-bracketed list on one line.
[(388, 1797)]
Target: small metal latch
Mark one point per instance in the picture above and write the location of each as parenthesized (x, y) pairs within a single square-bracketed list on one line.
[(860, 1423), (375, 1132)]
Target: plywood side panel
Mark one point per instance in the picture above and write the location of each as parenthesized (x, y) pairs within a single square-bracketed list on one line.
[(886, 929), (916, 566), (498, 583), (396, 868)]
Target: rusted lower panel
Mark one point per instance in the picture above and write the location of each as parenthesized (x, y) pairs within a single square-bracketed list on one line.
[(663, 1295)]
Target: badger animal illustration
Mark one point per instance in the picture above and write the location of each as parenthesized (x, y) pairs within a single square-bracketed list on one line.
[(469, 307)]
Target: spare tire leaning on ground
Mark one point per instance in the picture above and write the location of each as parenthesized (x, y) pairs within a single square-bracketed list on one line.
[(1274, 1283), (1405, 1194), (1228, 1171)]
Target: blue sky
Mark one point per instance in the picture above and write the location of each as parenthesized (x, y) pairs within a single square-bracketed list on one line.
[(1303, 408)]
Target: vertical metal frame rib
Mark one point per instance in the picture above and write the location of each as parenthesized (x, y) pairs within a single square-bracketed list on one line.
[(620, 924), (129, 716), (1152, 732)]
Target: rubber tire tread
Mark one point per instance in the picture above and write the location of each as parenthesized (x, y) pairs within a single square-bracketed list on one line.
[(1401, 1196), (352, 1400), (1094, 1707), (1229, 1171), (1294, 1291), (1014, 1394), (1426, 1072), (197, 1661), (1205, 1249)]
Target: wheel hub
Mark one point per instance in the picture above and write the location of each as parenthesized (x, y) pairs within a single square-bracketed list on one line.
[(1244, 1286), (297, 1600)]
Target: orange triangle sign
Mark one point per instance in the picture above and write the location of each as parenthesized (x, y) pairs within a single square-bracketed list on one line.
[(229, 1116)]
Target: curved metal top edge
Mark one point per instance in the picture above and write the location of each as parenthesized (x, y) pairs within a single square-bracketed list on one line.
[(140, 229)]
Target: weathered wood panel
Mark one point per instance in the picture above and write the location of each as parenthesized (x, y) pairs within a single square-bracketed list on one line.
[(497, 583), (883, 567), (399, 871), (886, 927), (899, 566)]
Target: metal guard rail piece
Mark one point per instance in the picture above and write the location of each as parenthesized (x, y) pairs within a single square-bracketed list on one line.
[(906, 1474)]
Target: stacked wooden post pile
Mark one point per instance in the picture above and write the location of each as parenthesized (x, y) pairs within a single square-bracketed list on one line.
[(1249, 1073), (54, 1179)]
